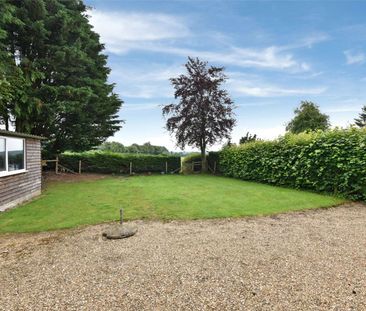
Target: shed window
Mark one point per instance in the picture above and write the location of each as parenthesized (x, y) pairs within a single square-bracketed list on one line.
[(15, 147), (12, 155), (2, 155)]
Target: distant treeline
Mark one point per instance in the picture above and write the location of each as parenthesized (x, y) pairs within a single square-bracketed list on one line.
[(146, 148)]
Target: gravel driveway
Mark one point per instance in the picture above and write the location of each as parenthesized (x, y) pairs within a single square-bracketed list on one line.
[(314, 260)]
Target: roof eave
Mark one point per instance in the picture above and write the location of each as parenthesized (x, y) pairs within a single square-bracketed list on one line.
[(20, 135)]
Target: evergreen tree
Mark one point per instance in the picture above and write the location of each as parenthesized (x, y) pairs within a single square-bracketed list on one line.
[(248, 138), (67, 98), (308, 118), (361, 120), (12, 83)]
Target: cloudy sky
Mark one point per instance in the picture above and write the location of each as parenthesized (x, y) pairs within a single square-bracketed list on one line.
[(275, 54)]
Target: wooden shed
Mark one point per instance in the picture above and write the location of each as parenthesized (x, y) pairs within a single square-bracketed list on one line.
[(20, 168)]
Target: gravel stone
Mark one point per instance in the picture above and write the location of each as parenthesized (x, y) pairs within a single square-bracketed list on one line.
[(313, 260)]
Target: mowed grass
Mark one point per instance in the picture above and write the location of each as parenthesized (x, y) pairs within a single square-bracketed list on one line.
[(72, 204)]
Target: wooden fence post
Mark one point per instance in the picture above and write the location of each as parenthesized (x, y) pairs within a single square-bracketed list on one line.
[(166, 167), (79, 166), (56, 166), (130, 168)]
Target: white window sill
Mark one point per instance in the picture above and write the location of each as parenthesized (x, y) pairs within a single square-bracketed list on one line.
[(5, 174)]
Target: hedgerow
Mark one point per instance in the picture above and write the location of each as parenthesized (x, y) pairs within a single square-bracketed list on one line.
[(332, 161), (118, 163)]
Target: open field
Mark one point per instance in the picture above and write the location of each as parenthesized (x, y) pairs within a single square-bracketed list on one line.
[(71, 204), (312, 260)]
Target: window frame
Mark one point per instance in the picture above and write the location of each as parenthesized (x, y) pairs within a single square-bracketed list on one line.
[(7, 172)]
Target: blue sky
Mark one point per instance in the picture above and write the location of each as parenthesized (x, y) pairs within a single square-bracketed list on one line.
[(275, 54)]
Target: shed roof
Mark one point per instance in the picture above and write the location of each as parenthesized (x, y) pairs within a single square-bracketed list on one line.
[(16, 134)]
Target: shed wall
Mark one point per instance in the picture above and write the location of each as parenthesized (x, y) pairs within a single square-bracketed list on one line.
[(15, 189)]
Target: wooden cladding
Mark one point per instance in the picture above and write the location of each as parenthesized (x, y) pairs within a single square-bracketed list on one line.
[(15, 189)]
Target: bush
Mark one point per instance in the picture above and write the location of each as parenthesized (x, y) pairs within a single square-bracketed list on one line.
[(332, 161), (118, 163)]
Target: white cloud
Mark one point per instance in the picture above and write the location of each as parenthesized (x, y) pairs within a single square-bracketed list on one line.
[(149, 72), (251, 85), (139, 107), (150, 81), (308, 41), (270, 132), (265, 58), (147, 90), (153, 82), (266, 133), (315, 38), (354, 57), (270, 91), (123, 32), (310, 75), (342, 109), (269, 58)]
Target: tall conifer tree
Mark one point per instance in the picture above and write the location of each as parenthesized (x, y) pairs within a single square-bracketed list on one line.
[(361, 120), (67, 97)]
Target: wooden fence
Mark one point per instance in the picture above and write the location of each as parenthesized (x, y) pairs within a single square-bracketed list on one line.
[(195, 166), (59, 168)]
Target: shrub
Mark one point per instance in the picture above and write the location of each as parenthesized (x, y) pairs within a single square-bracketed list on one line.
[(332, 161), (118, 163)]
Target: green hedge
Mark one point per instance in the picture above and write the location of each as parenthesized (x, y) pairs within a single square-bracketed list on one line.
[(118, 163), (332, 161)]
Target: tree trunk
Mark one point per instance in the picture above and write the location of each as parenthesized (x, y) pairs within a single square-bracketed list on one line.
[(6, 121), (18, 126), (204, 167)]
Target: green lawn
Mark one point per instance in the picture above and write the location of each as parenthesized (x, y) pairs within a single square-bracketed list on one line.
[(67, 205)]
